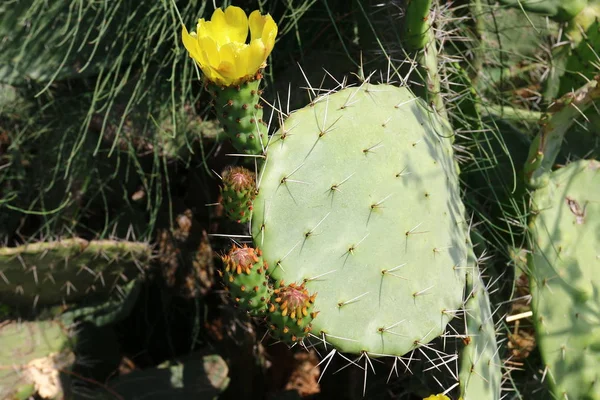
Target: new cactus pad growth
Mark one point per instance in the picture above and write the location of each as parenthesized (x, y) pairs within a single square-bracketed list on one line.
[(238, 192), (245, 276), (240, 112), (564, 278), (359, 200), (291, 312)]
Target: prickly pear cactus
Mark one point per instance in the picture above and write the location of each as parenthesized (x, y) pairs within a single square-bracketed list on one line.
[(240, 112), (559, 10), (584, 34), (359, 201), (196, 375), (32, 355), (564, 279), (68, 271), (245, 277), (238, 192), (480, 366)]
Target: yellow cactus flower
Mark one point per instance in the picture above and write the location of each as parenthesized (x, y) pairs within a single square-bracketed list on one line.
[(437, 397), (220, 49)]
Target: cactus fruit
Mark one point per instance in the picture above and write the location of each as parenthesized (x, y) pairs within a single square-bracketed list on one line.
[(564, 279), (68, 271), (480, 366), (31, 358), (359, 201), (291, 312), (238, 192), (245, 277), (240, 112)]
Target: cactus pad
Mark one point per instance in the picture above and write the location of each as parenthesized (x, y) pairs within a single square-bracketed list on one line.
[(238, 192), (245, 276), (68, 271), (480, 366), (359, 200), (564, 278), (31, 356)]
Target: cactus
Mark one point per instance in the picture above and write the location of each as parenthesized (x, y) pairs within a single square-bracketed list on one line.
[(196, 375), (564, 278), (359, 203), (233, 70), (546, 145), (32, 356), (68, 271), (418, 24), (480, 366), (574, 62), (245, 277), (238, 192), (580, 66), (559, 10), (240, 113)]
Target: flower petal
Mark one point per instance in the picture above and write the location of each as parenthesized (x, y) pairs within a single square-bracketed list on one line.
[(227, 66), (256, 55), (190, 43), (257, 23), (226, 27), (269, 34), (203, 28), (210, 59), (210, 51), (238, 24)]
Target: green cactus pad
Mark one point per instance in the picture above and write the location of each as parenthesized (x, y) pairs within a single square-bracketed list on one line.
[(480, 366), (32, 355), (245, 277), (238, 192), (68, 271), (194, 376), (291, 312), (565, 279), (581, 62), (559, 10), (240, 112), (359, 200)]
